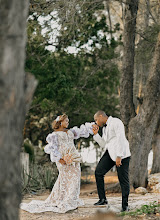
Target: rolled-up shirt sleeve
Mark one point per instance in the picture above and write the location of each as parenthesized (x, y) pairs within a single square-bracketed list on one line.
[(84, 131), (52, 147)]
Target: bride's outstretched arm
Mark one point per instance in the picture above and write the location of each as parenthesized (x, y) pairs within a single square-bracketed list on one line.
[(84, 131), (52, 147)]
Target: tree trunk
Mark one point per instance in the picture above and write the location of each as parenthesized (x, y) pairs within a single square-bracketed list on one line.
[(14, 94), (126, 86), (143, 126), (109, 18), (146, 13), (156, 151)]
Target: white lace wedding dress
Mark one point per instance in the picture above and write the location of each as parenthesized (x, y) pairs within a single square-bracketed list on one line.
[(65, 192)]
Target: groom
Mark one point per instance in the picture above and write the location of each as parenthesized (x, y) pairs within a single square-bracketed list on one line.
[(117, 153)]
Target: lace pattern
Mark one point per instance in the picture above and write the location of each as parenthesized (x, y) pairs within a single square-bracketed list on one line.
[(65, 192), (54, 143), (52, 147)]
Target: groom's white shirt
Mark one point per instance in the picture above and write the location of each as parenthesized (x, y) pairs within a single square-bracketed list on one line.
[(113, 139)]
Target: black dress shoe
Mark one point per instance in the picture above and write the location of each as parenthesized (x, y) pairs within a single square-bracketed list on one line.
[(102, 202), (126, 209)]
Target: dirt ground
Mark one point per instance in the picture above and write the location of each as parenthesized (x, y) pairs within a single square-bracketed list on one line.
[(89, 211)]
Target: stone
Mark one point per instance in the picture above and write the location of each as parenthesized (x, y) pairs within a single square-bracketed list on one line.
[(141, 190), (153, 179), (156, 188), (154, 182)]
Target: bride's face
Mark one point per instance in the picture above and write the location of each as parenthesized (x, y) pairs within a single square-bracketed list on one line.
[(65, 123)]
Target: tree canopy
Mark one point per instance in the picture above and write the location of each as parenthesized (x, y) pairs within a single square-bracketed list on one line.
[(78, 84)]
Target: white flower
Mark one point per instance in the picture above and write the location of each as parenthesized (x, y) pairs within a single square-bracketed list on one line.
[(57, 119)]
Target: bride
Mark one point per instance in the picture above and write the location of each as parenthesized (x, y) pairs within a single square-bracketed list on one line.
[(65, 192)]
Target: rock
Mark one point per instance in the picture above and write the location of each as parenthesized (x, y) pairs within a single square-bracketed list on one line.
[(154, 182), (141, 190), (156, 188), (153, 179)]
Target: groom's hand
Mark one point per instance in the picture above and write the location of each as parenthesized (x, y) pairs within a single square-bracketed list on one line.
[(95, 129), (118, 161)]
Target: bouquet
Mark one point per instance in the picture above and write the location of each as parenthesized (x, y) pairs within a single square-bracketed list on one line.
[(71, 156)]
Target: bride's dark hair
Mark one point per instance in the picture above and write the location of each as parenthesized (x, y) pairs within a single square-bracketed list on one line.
[(57, 124)]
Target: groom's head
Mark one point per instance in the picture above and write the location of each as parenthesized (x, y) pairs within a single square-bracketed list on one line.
[(100, 118)]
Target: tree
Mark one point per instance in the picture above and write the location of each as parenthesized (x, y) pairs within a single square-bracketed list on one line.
[(126, 86), (156, 151), (143, 125), (143, 57), (78, 84), (16, 89)]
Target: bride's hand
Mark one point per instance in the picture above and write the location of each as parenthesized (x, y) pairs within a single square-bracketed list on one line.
[(63, 162), (68, 159), (95, 129)]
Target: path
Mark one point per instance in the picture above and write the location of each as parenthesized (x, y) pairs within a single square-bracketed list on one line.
[(89, 210)]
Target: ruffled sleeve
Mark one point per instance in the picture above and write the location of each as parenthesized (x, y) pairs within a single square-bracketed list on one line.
[(84, 131), (52, 147)]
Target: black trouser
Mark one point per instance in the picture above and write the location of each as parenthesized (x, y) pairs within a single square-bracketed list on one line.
[(104, 165)]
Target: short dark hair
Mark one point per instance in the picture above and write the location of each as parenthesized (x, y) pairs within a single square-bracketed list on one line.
[(100, 112)]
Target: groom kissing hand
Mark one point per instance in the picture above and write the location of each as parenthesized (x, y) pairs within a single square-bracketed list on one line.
[(95, 131), (117, 153)]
